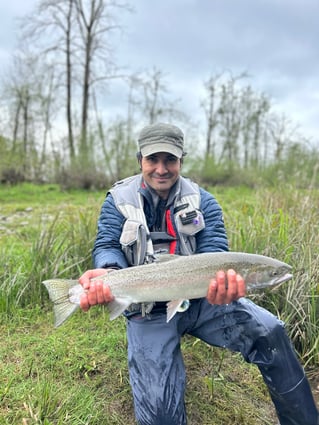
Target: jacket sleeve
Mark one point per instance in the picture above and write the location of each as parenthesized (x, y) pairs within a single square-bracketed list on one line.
[(213, 237), (107, 250)]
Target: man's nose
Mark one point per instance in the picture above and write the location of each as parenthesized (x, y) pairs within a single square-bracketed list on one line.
[(161, 167)]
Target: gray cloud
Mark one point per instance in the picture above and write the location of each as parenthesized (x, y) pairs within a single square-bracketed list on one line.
[(275, 41)]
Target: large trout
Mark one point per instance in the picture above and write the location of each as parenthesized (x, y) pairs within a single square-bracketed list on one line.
[(172, 278)]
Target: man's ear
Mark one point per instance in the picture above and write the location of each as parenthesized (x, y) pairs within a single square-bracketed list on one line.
[(139, 159)]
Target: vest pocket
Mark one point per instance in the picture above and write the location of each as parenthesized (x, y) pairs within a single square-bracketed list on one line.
[(189, 223), (133, 241)]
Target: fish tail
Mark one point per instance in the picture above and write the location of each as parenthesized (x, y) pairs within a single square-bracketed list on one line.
[(58, 290)]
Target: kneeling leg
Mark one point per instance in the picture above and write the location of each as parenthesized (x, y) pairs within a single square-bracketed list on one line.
[(156, 368), (261, 338)]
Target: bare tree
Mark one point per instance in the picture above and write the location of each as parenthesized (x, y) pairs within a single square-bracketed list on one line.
[(253, 109), (20, 92), (74, 35), (119, 154), (50, 30), (210, 109), (259, 118), (132, 103), (236, 120), (29, 94), (154, 101), (67, 28), (47, 111), (282, 131), (154, 88), (96, 21), (230, 120)]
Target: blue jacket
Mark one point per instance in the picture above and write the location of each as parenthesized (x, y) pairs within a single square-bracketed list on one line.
[(107, 250)]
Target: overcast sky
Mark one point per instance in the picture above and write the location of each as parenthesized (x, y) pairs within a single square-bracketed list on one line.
[(275, 41)]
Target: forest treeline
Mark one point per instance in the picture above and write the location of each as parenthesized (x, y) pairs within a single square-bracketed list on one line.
[(57, 124)]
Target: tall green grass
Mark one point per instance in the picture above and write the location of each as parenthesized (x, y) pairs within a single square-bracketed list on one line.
[(284, 224), (59, 248), (44, 232)]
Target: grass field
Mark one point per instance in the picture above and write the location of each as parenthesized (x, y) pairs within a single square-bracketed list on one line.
[(77, 374)]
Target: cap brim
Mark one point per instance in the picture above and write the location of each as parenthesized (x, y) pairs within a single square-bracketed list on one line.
[(161, 147)]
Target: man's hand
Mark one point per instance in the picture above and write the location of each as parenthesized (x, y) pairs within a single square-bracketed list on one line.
[(97, 291), (226, 288)]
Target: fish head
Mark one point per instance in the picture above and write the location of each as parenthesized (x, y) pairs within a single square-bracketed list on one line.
[(262, 276)]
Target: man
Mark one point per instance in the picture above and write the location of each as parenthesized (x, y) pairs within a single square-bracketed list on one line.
[(158, 211)]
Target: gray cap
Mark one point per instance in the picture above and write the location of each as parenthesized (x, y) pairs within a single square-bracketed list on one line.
[(161, 137)]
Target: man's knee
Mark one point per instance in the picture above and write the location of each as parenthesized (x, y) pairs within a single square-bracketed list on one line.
[(261, 321)]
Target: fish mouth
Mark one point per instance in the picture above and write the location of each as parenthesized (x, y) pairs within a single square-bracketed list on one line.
[(282, 279)]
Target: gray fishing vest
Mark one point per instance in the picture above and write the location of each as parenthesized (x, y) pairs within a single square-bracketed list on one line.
[(137, 240)]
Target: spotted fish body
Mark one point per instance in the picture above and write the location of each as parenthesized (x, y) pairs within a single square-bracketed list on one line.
[(173, 278)]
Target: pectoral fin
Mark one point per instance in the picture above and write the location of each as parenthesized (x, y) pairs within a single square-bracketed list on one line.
[(118, 306), (175, 306)]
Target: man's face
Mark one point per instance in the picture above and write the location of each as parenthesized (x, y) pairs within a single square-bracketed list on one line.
[(160, 172)]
